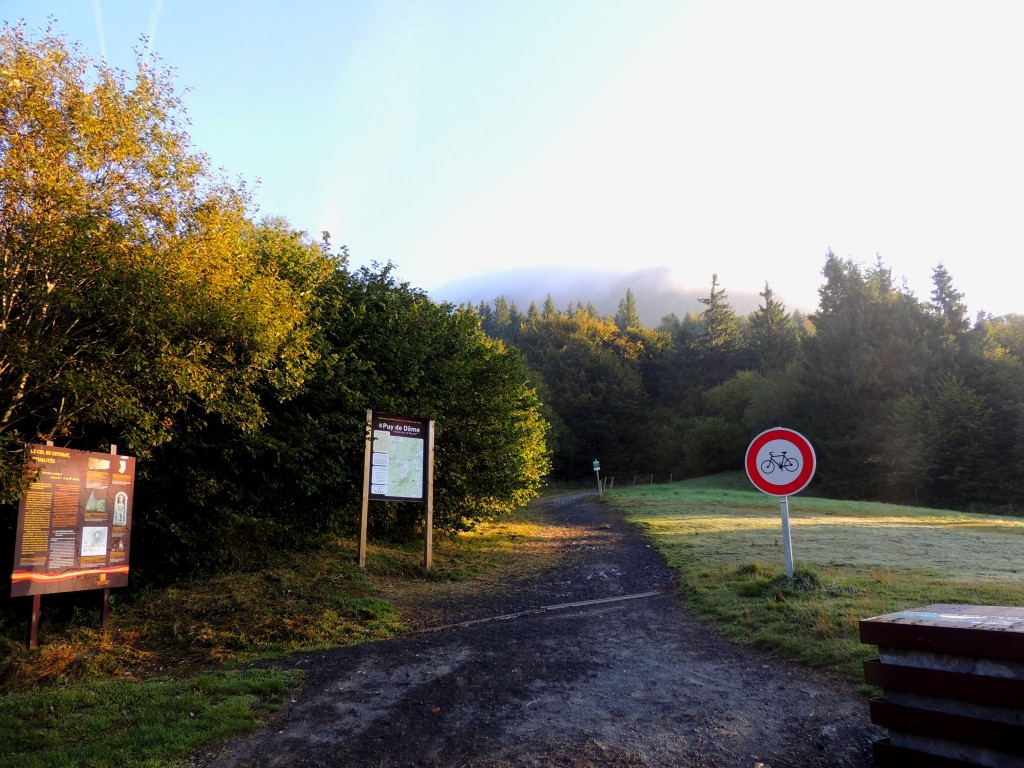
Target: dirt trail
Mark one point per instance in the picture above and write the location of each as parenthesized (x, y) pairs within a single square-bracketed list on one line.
[(593, 662)]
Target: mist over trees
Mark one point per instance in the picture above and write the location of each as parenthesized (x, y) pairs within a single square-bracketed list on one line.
[(658, 292), (904, 400)]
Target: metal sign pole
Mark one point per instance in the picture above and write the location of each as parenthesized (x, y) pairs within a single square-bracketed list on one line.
[(781, 462), (787, 544)]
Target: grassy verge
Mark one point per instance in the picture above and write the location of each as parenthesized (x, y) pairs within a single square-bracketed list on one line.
[(169, 673), (852, 561), (117, 723)]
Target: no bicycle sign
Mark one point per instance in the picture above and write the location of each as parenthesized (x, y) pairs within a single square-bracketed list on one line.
[(780, 462)]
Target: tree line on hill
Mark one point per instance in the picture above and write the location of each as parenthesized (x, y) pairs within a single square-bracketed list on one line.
[(904, 400), (142, 306)]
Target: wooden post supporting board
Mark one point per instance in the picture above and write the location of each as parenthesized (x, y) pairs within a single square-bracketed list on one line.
[(428, 552), (398, 466), (105, 610), (364, 517), (33, 627)]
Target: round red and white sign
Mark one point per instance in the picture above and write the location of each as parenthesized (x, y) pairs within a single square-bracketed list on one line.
[(780, 462)]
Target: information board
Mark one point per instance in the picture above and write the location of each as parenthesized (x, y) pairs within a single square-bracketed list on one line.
[(74, 522), (398, 462)]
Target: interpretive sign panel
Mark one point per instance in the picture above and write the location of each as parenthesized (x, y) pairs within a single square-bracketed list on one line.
[(398, 464), (74, 522)]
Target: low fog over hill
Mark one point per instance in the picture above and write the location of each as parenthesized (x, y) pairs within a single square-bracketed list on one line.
[(657, 294)]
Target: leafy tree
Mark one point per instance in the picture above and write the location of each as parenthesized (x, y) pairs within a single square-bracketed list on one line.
[(776, 398), (594, 383), (202, 499), (1002, 336), (381, 345), (903, 399), (132, 290), (389, 347), (712, 444), (716, 441)]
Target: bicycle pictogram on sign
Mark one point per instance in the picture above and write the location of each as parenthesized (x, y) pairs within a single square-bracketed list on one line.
[(780, 461)]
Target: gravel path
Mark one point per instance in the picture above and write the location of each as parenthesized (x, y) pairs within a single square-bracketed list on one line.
[(592, 662)]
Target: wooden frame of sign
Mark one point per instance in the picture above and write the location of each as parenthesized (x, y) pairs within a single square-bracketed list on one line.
[(398, 465), (74, 526)]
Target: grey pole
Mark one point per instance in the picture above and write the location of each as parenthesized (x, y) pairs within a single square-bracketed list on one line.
[(787, 544)]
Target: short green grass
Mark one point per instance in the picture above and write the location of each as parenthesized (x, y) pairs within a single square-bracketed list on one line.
[(852, 561), (141, 723), (172, 672)]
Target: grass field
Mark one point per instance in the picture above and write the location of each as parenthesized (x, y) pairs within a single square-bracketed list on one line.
[(852, 560)]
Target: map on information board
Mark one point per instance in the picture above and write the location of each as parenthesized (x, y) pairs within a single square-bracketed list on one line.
[(398, 458)]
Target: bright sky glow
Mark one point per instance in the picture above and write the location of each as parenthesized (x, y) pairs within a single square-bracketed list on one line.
[(461, 137)]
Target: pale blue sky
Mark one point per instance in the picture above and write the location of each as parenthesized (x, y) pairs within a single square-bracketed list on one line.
[(742, 137)]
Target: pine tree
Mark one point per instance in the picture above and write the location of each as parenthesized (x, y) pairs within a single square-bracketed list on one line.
[(948, 303), (717, 345), (627, 316), (550, 310), (721, 331), (502, 319), (772, 333), (486, 315), (532, 313)]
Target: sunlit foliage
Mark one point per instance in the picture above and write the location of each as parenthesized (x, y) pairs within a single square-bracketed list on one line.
[(132, 285)]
